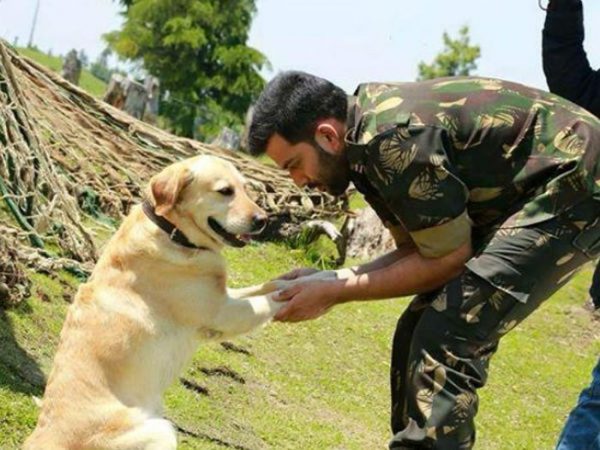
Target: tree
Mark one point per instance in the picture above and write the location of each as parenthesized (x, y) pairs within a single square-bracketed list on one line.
[(457, 59), (197, 49)]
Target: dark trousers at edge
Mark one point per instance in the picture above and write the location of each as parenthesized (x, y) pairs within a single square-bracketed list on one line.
[(595, 288)]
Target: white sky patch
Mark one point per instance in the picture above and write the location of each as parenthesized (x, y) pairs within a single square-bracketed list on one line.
[(346, 41)]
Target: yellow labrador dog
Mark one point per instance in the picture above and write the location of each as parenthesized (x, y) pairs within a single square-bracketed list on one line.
[(158, 288)]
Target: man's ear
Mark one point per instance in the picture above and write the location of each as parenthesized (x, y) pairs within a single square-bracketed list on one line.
[(328, 136), (166, 187)]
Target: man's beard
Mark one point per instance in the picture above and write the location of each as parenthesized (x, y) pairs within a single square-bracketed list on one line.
[(333, 172)]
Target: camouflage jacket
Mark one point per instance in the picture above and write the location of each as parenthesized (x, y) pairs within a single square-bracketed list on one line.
[(445, 159)]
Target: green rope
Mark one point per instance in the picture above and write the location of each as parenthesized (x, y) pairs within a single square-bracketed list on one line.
[(35, 240)]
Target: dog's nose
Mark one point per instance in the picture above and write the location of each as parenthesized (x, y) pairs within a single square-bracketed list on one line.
[(259, 222)]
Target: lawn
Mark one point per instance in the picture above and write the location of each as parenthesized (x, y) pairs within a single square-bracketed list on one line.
[(87, 82), (316, 385)]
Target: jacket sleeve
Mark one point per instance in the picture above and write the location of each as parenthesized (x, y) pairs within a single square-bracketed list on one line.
[(419, 185), (566, 66)]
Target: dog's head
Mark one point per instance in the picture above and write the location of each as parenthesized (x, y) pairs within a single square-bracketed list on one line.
[(205, 197)]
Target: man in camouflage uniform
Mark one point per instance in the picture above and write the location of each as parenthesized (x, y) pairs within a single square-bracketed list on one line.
[(491, 191)]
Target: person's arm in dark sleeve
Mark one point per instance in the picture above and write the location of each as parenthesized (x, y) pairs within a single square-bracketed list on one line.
[(566, 66)]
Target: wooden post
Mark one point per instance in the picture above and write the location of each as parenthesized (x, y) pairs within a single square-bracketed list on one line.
[(72, 68)]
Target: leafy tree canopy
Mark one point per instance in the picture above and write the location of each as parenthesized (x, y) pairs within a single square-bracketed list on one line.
[(197, 48), (457, 59)]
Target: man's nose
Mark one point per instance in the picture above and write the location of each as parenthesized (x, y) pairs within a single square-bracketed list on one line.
[(259, 222)]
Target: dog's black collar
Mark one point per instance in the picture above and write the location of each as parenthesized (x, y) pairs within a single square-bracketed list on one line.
[(174, 233)]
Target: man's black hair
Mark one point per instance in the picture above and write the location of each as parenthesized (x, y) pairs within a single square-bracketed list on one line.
[(290, 105)]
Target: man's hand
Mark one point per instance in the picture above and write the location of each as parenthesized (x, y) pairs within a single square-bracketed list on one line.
[(306, 301)]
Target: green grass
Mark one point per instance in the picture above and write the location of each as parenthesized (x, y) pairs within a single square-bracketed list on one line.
[(357, 202), (264, 159), (321, 384), (87, 82)]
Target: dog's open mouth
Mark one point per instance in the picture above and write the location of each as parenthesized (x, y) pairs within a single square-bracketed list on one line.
[(231, 239)]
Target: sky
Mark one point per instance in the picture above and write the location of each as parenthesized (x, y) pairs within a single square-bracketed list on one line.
[(345, 41)]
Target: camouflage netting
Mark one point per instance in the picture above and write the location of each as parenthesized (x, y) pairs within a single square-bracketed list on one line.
[(14, 285), (69, 159)]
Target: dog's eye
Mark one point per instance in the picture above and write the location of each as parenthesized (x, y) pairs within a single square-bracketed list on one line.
[(227, 191)]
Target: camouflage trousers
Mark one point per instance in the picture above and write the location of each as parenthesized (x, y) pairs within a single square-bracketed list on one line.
[(445, 339)]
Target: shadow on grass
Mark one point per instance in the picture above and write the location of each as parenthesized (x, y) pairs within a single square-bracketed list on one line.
[(19, 371)]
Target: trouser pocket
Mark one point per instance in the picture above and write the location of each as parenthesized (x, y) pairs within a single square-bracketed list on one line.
[(588, 240)]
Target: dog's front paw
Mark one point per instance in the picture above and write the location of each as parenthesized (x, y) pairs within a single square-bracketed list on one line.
[(321, 275), (280, 285), (274, 304)]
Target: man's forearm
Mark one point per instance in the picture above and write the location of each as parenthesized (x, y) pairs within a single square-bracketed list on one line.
[(412, 274), (378, 263)]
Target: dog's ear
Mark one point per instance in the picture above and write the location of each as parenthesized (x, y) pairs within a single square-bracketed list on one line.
[(166, 187)]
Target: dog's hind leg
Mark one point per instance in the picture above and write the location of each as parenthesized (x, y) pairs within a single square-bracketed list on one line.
[(152, 434)]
